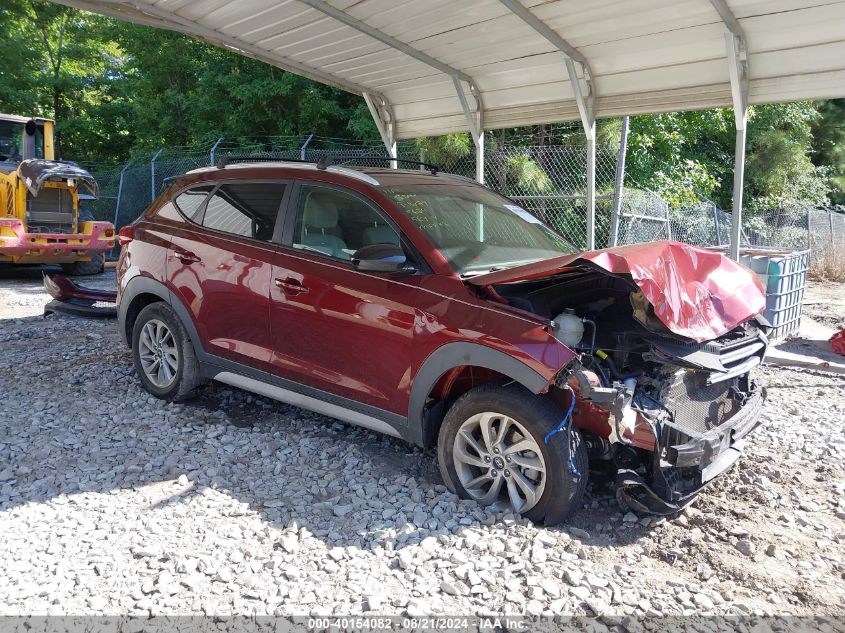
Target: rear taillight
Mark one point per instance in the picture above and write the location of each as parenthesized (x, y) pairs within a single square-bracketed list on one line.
[(108, 233), (126, 235)]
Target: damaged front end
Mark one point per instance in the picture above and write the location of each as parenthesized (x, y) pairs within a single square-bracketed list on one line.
[(672, 432), (665, 393)]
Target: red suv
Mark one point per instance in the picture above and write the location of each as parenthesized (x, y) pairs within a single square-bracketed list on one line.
[(428, 307)]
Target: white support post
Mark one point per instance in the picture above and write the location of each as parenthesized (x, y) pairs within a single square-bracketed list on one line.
[(618, 184), (153, 175), (475, 123), (588, 121), (479, 158), (739, 181), (738, 70), (386, 128), (591, 189), (213, 153)]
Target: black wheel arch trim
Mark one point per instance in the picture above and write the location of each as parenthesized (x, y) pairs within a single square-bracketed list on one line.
[(454, 355), (145, 285)]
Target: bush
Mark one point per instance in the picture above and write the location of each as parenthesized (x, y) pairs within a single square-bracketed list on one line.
[(828, 264)]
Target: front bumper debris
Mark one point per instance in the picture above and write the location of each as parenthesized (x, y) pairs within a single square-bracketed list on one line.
[(678, 472), (75, 300)]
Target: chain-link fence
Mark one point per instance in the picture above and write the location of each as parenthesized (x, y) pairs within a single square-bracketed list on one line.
[(793, 226), (827, 231), (548, 180), (643, 217)]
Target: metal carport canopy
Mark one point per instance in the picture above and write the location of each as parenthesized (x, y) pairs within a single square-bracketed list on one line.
[(430, 67)]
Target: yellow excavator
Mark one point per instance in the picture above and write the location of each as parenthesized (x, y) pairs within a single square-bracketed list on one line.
[(40, 219)]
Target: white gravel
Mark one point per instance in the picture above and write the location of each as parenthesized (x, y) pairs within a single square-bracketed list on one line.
[(112, 502)]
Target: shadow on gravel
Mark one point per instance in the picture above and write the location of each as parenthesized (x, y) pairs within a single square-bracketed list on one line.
[(79, 422)]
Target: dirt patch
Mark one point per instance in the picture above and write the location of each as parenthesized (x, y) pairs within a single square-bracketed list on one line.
[(824, 301)]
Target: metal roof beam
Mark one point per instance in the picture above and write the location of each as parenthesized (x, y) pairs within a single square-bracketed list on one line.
[(475, 123), (731, 23), (518, 9), (341, 16), (585, 103), (383, 117), (738, 72), (151, 15), (735, 46)]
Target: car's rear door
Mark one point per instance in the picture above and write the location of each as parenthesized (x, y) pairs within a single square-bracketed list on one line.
[(341, 331), (220, 265)]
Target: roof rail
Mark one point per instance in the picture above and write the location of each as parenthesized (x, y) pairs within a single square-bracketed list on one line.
[(324, 162), (337, 159), (257, 158)]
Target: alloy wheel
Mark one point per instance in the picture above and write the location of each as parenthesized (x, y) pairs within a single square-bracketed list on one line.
[(496, 457), (158, 353)]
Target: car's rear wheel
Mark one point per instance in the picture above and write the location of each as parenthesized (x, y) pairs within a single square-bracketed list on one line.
[(163, 355), (492, 448)]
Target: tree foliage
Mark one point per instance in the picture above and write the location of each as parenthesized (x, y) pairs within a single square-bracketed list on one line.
[(680, 155), (116, 88)]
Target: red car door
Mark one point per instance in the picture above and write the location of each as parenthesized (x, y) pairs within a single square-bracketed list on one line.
[(334, 328), (221, 266)]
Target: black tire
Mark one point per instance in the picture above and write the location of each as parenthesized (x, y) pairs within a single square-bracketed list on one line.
[(564, 489), (95, 266), (188, 375)]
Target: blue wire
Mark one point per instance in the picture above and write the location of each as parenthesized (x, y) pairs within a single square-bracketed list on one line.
[(562, 424), (560, 427)]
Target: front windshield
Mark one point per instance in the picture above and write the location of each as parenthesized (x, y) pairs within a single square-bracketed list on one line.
[(476, 229), (11, 141)]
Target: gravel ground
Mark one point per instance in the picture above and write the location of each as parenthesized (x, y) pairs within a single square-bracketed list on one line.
[(112, 502)]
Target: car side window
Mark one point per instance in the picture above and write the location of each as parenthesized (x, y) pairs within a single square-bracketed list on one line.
[(337, 224), (190, 202), (248, 209)]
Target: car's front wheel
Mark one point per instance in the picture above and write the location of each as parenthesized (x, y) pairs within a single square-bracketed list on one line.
[(163, 355), (492, 447)]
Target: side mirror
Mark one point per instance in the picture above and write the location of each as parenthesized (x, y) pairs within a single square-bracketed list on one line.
[(381, 258)]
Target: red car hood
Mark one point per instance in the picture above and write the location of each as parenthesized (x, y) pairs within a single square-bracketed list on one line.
[(696, 293)]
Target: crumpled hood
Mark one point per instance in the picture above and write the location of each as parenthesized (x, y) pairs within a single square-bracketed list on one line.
[(34, 172), (696, 293)]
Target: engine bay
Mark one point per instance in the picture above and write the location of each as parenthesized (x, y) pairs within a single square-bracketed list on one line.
[(628, 362)]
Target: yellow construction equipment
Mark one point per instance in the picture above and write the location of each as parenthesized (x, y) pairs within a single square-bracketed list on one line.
[(40, 220)]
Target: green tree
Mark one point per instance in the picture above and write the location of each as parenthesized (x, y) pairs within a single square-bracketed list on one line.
[(829, 145), (680, 155), (55, 64), (445, 150)]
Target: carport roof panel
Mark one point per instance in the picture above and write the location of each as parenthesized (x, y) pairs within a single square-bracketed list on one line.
[(645, 55)]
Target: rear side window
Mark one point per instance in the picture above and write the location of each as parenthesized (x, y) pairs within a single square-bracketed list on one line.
[(247, 209), (190, 202)]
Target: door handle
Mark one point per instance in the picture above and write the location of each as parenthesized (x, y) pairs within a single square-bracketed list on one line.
[(290, 286), (187, 257)]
